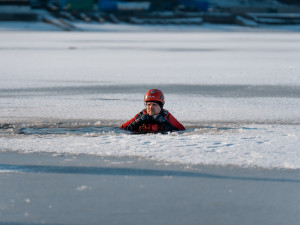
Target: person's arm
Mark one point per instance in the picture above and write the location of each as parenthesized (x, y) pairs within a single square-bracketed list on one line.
[(135, 122), (175, 122), (124, 125)]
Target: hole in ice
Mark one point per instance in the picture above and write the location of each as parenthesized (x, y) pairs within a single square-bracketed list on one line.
[(61, 129), (66, 130)]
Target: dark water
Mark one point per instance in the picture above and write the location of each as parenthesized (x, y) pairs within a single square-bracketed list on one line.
[(115, 130), (69, 130)]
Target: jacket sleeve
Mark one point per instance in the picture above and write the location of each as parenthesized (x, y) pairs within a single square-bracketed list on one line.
[(175, 122), (124, 125)]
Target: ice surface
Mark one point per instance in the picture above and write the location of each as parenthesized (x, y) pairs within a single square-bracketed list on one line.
[(271, 146), (236, 92)]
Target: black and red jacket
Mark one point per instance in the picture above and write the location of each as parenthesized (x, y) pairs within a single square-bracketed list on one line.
[(153, 126)]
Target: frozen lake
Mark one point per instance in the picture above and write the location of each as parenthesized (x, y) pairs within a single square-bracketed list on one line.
[(237, 93)]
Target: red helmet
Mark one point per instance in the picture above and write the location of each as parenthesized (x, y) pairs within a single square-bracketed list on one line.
[(155, 95)]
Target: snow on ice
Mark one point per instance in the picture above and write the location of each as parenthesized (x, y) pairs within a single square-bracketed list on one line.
[(236, 92)]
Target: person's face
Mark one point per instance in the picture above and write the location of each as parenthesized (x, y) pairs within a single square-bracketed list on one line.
[(152, 108)]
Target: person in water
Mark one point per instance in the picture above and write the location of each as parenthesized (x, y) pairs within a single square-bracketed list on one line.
[(154, 118)]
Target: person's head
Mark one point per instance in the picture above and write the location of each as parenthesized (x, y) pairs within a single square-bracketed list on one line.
[(154, 100)]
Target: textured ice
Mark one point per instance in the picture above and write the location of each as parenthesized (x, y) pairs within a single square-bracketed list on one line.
[(236, 92)]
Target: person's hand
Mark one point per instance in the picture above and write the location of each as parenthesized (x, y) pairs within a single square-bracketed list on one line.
[(159, 118), (164, 122), (144, 118)]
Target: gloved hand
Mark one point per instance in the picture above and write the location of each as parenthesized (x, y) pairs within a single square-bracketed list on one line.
[(159, 118), (138, 122), (144, 118), (164, 122)]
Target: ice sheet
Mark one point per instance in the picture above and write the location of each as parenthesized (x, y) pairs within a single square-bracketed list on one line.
[(247, 81)]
